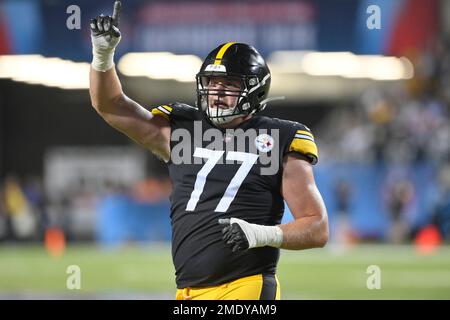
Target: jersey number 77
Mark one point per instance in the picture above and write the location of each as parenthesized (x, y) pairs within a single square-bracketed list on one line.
[(213, 156)]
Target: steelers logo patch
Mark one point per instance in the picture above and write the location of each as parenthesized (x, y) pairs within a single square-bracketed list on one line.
[(264, 142)]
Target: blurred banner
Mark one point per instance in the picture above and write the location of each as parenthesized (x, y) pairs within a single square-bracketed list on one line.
[(408, 26), (67, 169), (197, 26), (179, 27)]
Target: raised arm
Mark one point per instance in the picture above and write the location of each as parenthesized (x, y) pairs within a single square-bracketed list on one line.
[(107, 96)]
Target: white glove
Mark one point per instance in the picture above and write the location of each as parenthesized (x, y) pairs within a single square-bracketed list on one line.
[(105, 37), (241, 235)]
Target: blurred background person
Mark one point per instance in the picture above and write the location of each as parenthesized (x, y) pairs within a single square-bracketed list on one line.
[(19, 210), (343, 229), (441, 208)]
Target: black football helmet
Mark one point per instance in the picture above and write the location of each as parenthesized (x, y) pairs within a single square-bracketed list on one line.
[(236, 61)]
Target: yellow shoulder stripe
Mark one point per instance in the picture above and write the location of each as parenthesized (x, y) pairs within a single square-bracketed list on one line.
[(222, 51), (305, 132), (304, 146), (157, 112), (167, 107)]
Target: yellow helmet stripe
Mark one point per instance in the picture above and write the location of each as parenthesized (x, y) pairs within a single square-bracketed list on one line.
[(222, 51)]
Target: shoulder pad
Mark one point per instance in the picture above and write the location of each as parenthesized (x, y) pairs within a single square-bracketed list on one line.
[(176, 110), (296, 137), (303, 143)]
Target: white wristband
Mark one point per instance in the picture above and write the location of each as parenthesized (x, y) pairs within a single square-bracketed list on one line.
[(103, 48), (102, 61), (260, 236)]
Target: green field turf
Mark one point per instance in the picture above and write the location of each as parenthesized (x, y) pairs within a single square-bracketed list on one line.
[(147, 272)]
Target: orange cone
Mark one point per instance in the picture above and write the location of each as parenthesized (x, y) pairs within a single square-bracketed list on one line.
[(55, 242), (428, 240)]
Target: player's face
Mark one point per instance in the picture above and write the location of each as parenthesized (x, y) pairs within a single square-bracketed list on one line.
[(226, 96)]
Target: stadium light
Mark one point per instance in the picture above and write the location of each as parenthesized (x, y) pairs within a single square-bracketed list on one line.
[(51, 72), (160, 65), (343, 64)]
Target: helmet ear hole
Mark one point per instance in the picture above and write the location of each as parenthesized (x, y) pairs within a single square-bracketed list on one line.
[(204, 81), (261, 94)]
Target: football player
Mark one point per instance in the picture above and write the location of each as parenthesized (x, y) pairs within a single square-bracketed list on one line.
[(226, 214)]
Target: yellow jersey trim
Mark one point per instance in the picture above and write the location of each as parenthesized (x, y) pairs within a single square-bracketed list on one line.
[(304, 146)]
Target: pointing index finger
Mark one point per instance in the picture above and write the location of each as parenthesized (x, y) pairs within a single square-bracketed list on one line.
[(116, 13)]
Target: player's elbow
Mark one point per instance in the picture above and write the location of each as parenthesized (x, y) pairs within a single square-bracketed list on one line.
[(101, 110), (322, 234), (98, 105), (322, 239), (106, 107)]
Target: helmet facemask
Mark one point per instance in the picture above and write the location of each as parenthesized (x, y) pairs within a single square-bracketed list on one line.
[(215, 100)]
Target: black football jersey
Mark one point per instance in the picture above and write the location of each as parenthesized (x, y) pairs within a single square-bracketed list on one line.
[(218, 173)]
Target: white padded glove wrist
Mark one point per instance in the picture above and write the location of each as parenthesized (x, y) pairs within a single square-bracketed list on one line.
[(103, 52), (259, 235)]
